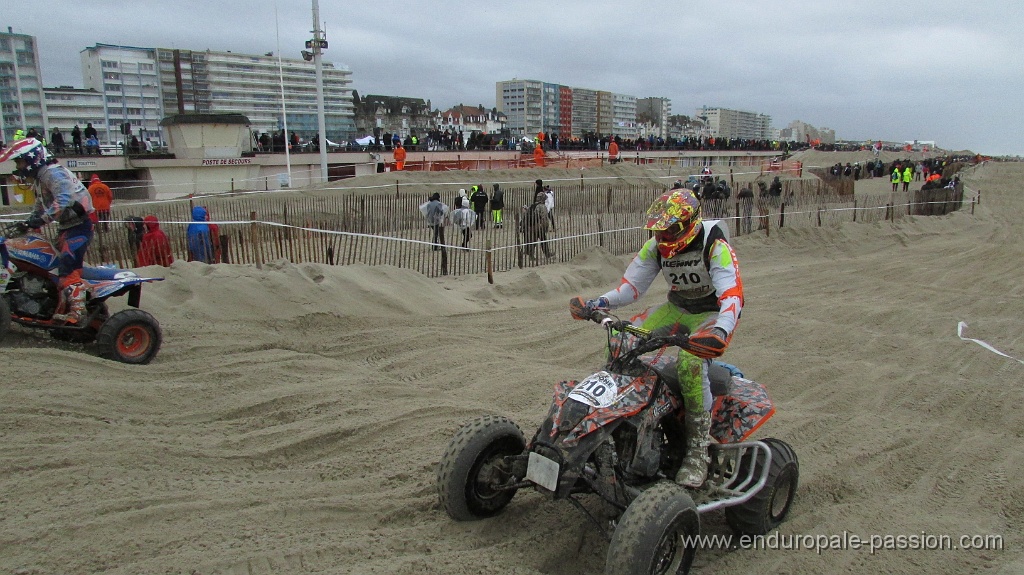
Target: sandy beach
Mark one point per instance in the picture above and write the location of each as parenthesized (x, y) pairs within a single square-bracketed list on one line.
[(294, 418)]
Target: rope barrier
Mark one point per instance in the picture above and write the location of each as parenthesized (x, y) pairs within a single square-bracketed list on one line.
[(6, 219)]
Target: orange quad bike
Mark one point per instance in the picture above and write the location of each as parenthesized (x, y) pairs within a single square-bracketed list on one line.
[(611, 445)]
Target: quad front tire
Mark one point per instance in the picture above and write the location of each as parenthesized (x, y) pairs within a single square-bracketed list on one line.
[(763, 512), (473, 468), (655, 536), (129, 336)]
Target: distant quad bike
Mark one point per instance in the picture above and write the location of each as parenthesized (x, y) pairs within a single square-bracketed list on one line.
[(616, 435), (29, 296)]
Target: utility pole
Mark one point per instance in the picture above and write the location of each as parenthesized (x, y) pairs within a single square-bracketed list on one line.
[(319, 44)]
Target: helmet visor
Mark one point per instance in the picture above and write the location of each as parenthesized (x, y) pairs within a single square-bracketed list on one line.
[(675, 232)]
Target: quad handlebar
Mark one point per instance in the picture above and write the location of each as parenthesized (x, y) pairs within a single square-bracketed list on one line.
[(12, 230), (648, 340)]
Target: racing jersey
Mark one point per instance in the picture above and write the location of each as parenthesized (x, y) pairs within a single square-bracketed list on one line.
[(702, 278), (57, 191)]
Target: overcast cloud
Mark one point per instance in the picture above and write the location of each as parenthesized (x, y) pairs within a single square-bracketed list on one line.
[(928, 70)]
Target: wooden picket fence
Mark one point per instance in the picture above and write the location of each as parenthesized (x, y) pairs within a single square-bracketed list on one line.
[(379, 227)]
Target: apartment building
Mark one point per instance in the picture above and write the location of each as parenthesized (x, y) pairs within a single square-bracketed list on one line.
[(127, 79), (522, 102), (655, 112), (584, 112), (251, 85), (726, 123), (623, 116), (533, 106), (21, 85), (67, 107), (140, 86)]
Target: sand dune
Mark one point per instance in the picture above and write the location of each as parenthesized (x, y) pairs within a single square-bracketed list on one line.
[(294, 417)]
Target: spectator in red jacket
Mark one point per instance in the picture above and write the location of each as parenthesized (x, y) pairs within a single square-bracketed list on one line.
[(154, 249)]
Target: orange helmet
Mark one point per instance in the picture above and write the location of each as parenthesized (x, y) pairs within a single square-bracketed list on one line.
[(675, 219)]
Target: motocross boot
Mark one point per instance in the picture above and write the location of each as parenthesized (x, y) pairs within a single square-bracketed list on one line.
[(72, 304), (694, 469)]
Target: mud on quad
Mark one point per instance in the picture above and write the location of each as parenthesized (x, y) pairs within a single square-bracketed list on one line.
[(616, 435), (29, 296)]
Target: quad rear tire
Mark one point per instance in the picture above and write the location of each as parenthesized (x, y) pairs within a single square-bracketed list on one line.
[(129, 336), (655, 536), (473, 467), (763, 512)]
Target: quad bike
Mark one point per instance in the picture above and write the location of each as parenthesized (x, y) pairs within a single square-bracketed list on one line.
[(617, 435), (29, 296)]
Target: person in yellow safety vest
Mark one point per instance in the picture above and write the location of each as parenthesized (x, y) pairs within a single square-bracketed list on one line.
[(895, 179), (19, 134), (908, 175)]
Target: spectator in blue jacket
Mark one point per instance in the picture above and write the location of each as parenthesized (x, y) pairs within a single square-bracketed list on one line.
[(200, 240)]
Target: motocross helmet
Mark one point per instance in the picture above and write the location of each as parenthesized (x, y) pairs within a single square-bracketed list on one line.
[(31, 151), (675, 220)]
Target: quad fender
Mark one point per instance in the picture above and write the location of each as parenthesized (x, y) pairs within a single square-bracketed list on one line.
[(102, 289)]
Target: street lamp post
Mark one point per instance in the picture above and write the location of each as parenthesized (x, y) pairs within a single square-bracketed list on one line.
[(319, 44)]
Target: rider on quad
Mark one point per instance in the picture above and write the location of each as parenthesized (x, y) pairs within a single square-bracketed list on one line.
[(705, 296), (62, 198)]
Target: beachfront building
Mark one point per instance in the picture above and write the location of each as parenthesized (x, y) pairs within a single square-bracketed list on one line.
[(803, 132), (468, 119), (141, 86), (67, 107), (533, 106), (584, 112), (251, 85), (726, 123), (126, 77), (526, 103), (653, 114), (377, 115), (623, 118), (21, 86)]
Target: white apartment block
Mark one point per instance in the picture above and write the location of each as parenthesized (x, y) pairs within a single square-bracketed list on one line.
[(126, 77), (522, 102), (141, 86), (251, 85), (21, 86), (624, 116), (726, 123), (67, 107)]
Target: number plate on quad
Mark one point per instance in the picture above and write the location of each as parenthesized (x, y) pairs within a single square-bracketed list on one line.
[(542, 471), (598, 390)]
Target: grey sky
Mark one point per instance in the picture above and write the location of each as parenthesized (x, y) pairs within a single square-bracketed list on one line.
[(928, 70)]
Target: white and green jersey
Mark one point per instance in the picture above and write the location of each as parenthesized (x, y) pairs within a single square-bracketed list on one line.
[(702, 278)]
